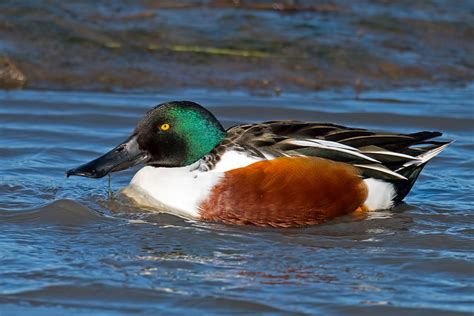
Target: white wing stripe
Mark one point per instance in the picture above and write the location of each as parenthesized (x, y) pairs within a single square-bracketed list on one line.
[(332, 144), (389, 153), (324, 145), (382, 169)]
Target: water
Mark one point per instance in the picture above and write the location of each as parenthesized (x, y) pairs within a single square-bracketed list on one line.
[(66, 247)]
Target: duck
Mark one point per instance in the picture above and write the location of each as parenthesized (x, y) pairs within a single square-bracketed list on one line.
[(282, 173)]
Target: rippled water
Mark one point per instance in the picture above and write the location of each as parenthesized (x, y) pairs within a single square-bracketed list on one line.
[(67, 247)]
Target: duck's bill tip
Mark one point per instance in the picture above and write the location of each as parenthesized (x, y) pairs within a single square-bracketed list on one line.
[(122, 157), (83, 173), (97, 168)]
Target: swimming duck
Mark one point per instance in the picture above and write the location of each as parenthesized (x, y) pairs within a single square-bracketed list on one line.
[(276, 173)]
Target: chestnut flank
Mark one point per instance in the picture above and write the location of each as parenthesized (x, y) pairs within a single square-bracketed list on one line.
[(285, 192)]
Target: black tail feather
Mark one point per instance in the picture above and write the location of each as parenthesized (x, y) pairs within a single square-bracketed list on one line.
[(403, 187)]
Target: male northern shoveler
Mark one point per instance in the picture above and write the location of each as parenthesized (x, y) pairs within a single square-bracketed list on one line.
[(278, 173)]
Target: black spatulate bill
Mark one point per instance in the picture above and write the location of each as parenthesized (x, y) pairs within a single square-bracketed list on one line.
[(125, 155)]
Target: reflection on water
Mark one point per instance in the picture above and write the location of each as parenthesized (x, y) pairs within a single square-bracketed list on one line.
[(66, 246)]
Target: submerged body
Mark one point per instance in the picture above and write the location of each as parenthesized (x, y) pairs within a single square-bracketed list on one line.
[(279, 173)]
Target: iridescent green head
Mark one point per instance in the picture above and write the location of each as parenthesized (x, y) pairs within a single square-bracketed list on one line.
[(178, 133), (172, 134)]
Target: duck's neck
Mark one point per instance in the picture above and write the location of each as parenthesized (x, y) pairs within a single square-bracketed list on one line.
[(199, 135), (199, 147)]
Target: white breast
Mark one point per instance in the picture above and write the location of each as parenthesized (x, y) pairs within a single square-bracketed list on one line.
[(180, 191), (174, 190)]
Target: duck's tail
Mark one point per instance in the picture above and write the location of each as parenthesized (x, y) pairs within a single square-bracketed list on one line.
[(412, 169)]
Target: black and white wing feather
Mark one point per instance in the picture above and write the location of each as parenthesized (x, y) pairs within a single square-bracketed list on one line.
[(377, 154)]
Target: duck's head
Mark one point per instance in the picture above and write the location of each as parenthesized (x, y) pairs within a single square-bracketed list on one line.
[(173, 134)]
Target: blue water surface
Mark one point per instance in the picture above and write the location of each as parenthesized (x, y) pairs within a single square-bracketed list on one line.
[(68, 247)]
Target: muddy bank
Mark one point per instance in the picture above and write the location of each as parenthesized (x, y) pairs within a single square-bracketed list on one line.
[(266, 46)]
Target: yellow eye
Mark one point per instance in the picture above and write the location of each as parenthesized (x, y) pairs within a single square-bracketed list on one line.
[(165, 127)]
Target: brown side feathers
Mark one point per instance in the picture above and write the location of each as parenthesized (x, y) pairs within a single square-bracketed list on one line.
[(285, 192)]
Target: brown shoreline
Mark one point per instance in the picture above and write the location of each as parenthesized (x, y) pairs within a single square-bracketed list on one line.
[(264, 46)]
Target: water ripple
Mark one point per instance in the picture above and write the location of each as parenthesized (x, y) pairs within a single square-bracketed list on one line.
[(68, 246)]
